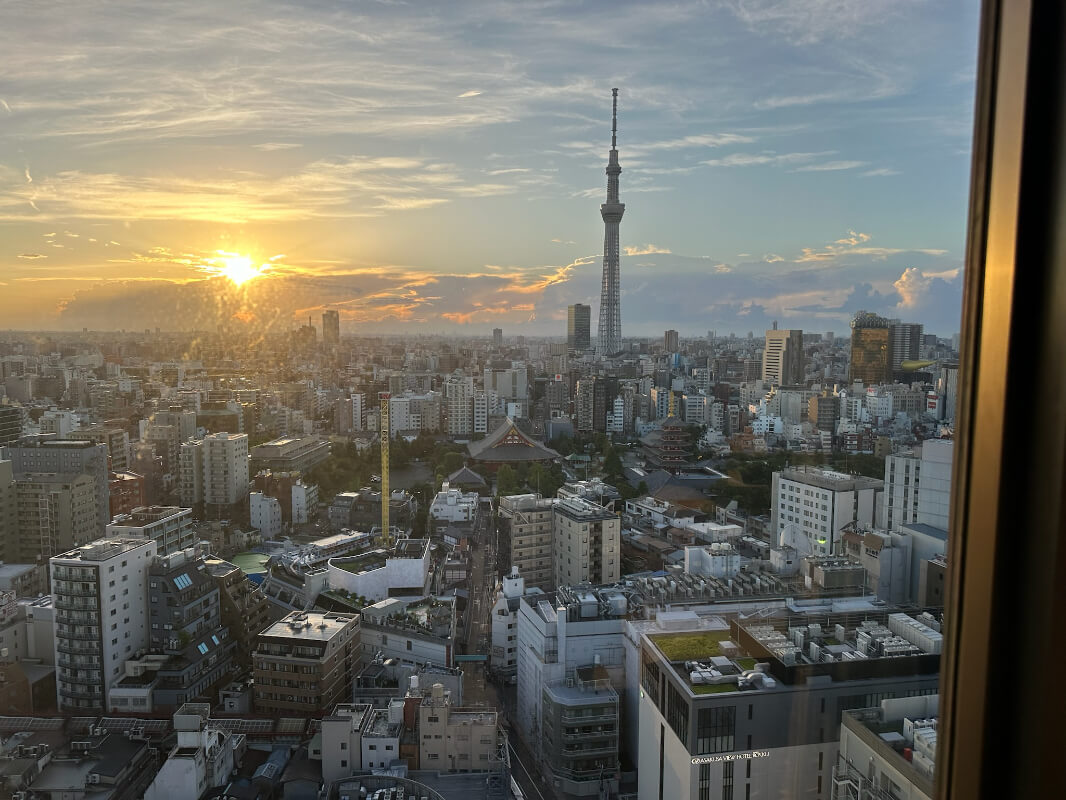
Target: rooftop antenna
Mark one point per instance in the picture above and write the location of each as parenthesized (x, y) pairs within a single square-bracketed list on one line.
[(614, 119)]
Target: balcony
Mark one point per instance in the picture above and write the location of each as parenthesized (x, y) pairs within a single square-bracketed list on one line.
[(575, 719), (81, 694), (590, 752), (65, 647), (71, 620), (585, 735), (76, 592), (75, 663), (92, 636), (65, 601)]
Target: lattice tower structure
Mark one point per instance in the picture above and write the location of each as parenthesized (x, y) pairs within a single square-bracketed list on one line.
[(609, 337)]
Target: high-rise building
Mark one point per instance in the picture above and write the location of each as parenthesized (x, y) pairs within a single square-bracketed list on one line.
[(810, 506), (871, 357), (578, 327), (170, 527), (782, 357), (497, 337), (9, 538), (525, 522), (42, 454), (116, 440), (214, 470), (918, 486), (459, 398), (331, 327), (10, 424), (56, 511), (586, 540), (905, 343), (609, 335), (186, 629), (671, 341), (100, 600)]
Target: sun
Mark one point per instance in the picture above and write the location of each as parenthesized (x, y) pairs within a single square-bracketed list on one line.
[(239, 269)]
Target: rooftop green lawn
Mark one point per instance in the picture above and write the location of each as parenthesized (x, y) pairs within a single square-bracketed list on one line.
[(713, 688), (690, 646), (746, 663)]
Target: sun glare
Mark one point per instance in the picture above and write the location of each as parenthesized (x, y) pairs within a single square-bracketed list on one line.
[(237, 268)]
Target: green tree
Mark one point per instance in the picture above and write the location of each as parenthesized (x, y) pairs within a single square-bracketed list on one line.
[(506, 481), (612, 464), (452, 462)]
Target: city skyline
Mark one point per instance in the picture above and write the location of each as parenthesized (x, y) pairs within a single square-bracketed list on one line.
[(798, 169)]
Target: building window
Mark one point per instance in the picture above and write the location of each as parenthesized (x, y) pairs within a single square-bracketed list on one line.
[(715, 728), (705, 782), (727, 781)]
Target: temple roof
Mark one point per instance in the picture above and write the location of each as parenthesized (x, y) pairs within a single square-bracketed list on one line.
[(508, 444)]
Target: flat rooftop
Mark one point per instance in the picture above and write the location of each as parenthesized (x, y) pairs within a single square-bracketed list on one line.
[(309, 626)]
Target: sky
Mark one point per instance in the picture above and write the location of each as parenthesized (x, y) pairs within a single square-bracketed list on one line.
[(438, 167)]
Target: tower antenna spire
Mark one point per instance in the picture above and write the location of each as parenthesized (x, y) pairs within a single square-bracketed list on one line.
[(614, 119)]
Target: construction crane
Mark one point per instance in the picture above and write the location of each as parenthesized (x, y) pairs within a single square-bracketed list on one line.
[(386, 533)]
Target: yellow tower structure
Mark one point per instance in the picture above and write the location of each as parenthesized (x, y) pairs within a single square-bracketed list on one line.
[(386, 532)]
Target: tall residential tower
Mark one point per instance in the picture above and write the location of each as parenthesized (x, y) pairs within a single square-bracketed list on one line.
[(609, 340)]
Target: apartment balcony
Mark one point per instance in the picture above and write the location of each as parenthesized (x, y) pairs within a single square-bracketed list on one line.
[(91, 636), (587, 735), (76, 618), (64, 646), (78, 663), (74, 592), (68, 603), (81, 694)]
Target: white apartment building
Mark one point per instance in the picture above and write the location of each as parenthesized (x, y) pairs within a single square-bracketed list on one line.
[(214, 470), (454, 738), (459, 400), (170, 527), (100, 595), (810, 506), (503, 656), (205, 755), (782, 359), (559, 634), (697, 409), (480, 412), (918, 486), (414, 412), (453, 505), (265, 514), (304, 501), (586, 542), (342, 741), (870, 762)]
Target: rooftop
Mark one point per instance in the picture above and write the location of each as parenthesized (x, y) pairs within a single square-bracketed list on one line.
[(309, 625), (101, 550), (380, 726)]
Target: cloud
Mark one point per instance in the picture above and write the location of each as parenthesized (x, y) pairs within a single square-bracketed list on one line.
[(831, 166), (645, 249), (855, 244), (758, 159), (879, 172), (269, 147), (772, 258), (31, 256), (471, 93)]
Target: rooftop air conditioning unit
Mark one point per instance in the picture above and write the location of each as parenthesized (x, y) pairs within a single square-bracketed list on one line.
[(93, 777)]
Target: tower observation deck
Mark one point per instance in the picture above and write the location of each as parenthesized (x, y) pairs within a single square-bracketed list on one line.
[(609, 338)]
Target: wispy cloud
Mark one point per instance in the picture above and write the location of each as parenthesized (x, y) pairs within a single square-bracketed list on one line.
[(879, 172), (831, 166), (644, 250), (471, 93), (31, 256), (766, 158)]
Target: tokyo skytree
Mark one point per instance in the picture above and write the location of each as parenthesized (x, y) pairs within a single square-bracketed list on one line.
[(609, 338)]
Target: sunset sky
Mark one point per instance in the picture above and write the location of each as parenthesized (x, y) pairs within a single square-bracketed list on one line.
[(438, 167)]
